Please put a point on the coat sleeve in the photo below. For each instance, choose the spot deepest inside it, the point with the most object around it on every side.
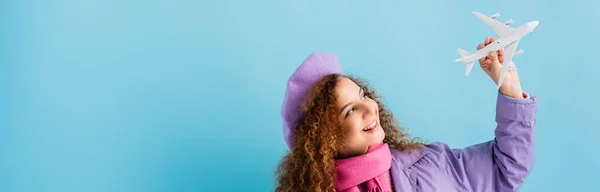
(501, 164)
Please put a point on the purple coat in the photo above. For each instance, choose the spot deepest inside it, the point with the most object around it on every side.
(501, 164)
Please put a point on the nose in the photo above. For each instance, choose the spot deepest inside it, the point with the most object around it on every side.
(533, 24)
(371, 110)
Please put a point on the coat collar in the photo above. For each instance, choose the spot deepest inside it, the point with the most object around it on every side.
(405, 158)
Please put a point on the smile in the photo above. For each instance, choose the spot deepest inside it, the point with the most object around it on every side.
(371, 127)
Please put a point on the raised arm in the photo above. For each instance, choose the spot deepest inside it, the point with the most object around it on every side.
(514, 141)
(501, 164)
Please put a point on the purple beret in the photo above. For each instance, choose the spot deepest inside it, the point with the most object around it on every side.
(315, 67)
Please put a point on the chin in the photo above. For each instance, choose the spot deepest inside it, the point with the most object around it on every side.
(378, 137)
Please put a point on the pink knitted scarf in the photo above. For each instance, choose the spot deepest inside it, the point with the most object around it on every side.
(365, 173)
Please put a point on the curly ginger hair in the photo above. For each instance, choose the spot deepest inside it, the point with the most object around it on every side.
(309, 165)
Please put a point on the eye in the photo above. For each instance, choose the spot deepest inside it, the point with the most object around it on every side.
(350, 112)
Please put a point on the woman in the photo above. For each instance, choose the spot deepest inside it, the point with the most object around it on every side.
(342, 138)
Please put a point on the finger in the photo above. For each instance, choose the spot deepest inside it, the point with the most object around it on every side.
(492, 39)
(487, 40)
(484, 66)
(493, 55)
(501, 52)
(488, 61)
(480, 46)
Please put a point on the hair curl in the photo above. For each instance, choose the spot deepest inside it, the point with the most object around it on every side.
(309, 165)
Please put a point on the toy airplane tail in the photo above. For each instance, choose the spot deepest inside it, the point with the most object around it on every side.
(467, 58)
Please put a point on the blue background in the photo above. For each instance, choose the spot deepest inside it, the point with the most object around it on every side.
(186, 95)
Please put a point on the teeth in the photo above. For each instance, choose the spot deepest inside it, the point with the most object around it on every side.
(371, 126)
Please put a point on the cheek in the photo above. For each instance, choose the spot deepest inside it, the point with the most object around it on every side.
(355, 123)
(350, 129)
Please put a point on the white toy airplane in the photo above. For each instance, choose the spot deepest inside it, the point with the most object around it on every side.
(508, 39)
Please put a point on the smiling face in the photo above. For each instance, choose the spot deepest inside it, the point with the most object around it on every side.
(325, 134)
(359, 115)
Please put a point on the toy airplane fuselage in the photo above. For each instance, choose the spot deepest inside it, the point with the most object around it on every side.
(508, 40)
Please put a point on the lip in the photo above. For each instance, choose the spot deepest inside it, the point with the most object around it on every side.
(374, 128)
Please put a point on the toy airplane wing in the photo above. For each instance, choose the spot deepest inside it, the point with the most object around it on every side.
(501, 29)
(509, 52)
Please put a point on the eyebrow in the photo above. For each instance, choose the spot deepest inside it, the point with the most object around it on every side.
(359, 91)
